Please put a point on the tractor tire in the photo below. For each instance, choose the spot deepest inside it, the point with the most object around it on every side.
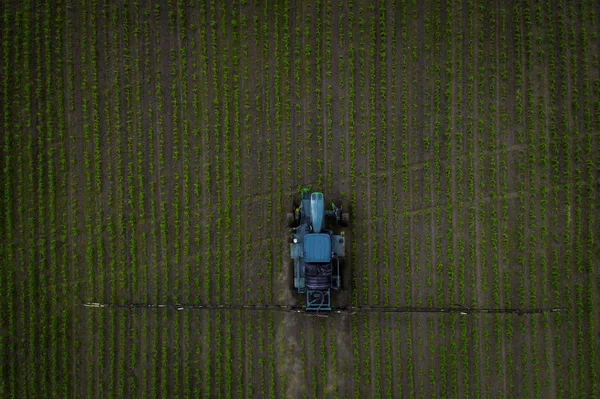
(345, 219)
(290, 219)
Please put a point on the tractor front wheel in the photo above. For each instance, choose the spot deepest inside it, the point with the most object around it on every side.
(345, 219)
(290, 219)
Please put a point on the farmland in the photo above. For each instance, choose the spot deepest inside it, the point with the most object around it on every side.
(150, 151)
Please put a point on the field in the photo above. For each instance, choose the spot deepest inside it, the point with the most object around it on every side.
(150, 152)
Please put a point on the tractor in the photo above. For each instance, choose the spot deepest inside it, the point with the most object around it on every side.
(316, 250)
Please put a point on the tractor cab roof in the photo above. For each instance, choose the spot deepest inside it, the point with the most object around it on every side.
(317, 248)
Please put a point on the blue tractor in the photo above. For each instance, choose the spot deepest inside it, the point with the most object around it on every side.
(316, 251)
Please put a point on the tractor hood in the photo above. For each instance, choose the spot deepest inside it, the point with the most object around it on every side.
(317, 211)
